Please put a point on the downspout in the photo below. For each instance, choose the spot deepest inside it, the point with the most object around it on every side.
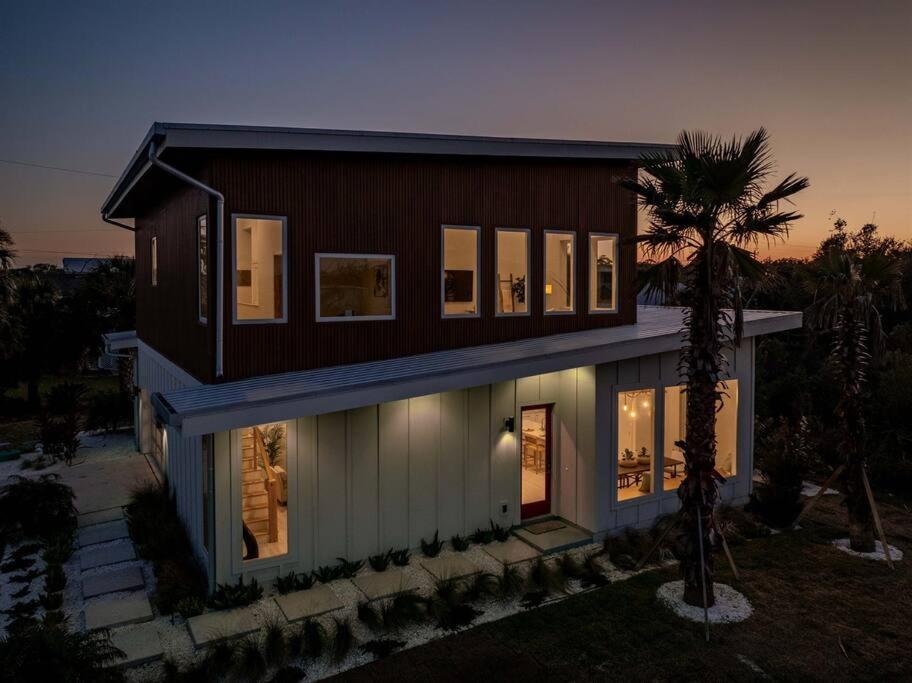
(219, 233)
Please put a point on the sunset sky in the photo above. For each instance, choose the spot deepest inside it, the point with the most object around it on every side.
(82, 81)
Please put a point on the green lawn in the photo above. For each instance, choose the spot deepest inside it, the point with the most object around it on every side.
(819, 615)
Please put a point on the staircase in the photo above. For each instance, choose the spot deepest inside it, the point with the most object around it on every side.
(255, 495)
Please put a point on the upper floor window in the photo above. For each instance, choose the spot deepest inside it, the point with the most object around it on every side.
(603, 250)
(356, 286)
(560, 271)
(154, 250)
(512, 296)
(260, 264)
(459, 279)
(202, 258)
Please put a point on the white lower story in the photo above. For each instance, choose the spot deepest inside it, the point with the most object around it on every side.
(360, 481)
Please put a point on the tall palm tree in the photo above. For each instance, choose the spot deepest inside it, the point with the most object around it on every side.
(707, 205)
(852, 286)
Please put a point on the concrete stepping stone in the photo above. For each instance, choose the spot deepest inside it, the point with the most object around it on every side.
(100, 516)
(449, 567)
(384, 584)
(89, 558)
(511, 551)
(118, 611)
(102, 533)
(213, 626)
(140, 644)
(308, 603)
(557, 540)
(120, 580)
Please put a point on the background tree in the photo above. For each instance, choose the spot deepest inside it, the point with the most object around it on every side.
(706, 205)
(37, 308)
(9, 322)
(856, 276)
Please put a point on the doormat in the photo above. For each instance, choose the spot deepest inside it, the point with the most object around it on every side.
(545, 527)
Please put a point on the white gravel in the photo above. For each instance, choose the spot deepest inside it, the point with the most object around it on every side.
(810, 490)
(844, 545)
(730, 608)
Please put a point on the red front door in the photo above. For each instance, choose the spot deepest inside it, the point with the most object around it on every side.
(535, 460)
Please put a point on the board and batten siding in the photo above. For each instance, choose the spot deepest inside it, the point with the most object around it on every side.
(386, 476)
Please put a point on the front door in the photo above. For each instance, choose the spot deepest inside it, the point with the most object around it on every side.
(535, 458)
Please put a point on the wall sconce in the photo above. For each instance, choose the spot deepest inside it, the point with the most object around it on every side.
(510, 424)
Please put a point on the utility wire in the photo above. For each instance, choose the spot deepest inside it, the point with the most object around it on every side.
(56, 168)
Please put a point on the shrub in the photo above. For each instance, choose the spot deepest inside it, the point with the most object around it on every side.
(509, 583)
(546, 578)
(342, 640)
(784, 459)
(349, 569)
(480, 585)
(60, 420)
(498, 532)
(370, 615)
(382, 648)
(314, 636)
(108, 410)
(460, 543)
(190, 606)
(51, 652)
(274, 647)
(293, 582)
(250, 665)
(448, 607)
(402, 609)
(379, 563)
(240, 594)
(59, 549)
(37, 508)
(401, 557)
(431, 548)
(219, 659)
(592, 572)
(327, 574)
(482, 536)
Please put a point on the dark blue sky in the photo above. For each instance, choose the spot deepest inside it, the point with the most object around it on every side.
(82, 81)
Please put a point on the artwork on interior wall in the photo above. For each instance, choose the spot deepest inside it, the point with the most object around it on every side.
(244, 278)
(458, 286)
(381, 281)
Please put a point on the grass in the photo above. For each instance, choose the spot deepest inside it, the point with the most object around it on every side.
(811, 602)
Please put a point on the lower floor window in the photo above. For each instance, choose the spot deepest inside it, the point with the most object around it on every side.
(636, 443)
(264, 490)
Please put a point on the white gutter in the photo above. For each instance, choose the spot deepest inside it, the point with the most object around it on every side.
(219, 233)
(105, 218)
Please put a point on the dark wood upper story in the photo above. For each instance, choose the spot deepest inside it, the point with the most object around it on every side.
(366, 202)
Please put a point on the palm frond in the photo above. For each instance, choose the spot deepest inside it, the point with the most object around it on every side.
(662, 279)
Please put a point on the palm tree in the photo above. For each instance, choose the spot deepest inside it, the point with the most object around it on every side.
(852, 286)
(707, 205)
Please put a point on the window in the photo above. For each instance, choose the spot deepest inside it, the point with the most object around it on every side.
(512, 296)
(155, 261)
(202, 256)
(264, 490)
(354, 286)
(560, 271)
(676, 430)
(459, 279)
(603, 251)
(206, 477)
(636, 443)
(259, 269)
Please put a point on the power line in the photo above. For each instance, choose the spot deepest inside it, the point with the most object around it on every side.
(49, 230)
(65, 253)
(56, 168)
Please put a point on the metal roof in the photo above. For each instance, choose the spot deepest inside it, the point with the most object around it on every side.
(216, 407)
(209, 136)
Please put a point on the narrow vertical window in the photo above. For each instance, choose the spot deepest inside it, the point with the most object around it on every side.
(603, 276)
(264, 490)
(155, 261)
(259, 269)
(512, 295)
(202, 260)
(459, 279)
(636, 443)
(560, 271)
(206, 480)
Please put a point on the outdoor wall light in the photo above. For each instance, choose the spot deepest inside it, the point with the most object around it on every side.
(510, 424)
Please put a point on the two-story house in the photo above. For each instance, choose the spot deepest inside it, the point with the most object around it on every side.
(348, 341)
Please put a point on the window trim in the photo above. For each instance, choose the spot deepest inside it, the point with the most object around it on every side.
(234, 301)
(153, 252)
(204, 220)
(529, 297)
(616, 274)
(350, 318)
(544, 282)
(478, 288)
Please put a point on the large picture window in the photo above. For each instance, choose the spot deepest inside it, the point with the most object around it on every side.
(264, 490)
(560, 271)
(459, 279)
(259, 269)
(355, 286)
(202, 258)
(512, 296)
(603, 250)
(636, 443)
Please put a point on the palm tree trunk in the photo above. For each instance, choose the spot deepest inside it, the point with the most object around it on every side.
(698, 490)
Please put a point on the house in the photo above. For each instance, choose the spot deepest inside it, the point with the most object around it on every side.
(348, 341)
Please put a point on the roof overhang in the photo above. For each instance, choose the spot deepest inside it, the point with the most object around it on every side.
(169, 136)
(212, 408)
